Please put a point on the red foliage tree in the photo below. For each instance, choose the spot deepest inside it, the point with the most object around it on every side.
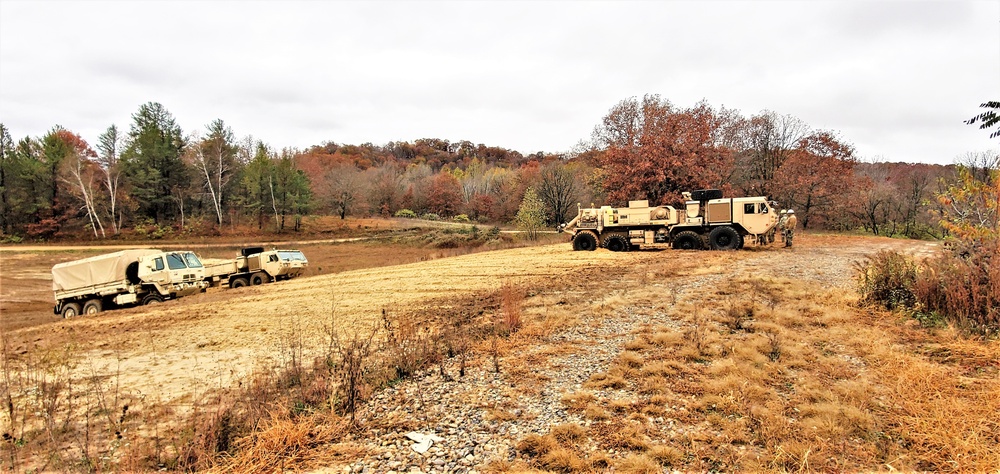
(816, 179)
(656, 151)
(444, 196)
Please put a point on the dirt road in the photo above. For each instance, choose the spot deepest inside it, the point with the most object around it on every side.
(190, 346)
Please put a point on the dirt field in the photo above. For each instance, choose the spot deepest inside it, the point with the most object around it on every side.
(190, 346)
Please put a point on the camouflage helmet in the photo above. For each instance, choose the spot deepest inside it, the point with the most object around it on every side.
(783, 211)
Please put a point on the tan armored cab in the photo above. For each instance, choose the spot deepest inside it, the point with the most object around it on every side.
(256, 266)
(707, 221)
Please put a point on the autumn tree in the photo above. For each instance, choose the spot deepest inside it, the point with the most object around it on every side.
(873, 198)
(971, 206)
(340, 187)
(816, 177)
(530, 215)
(385, 187)
(444, 197)
(81, 175)
(654, 150)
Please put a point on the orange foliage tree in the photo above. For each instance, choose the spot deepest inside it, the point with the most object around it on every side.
(816, 178)
(654, 150)
(444, 197)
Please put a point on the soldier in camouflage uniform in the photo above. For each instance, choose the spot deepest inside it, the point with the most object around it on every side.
(790, 222)
(781, 223)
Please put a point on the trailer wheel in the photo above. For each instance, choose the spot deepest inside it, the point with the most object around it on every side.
(93, 307)
(259, 278)
(71, 310)
(687, 240)
(152, 298)
(725, 238)
(585, 240)
(238, 282)
(616, 243)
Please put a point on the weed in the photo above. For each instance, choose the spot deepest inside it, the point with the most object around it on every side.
(639, 464)
(666, 456)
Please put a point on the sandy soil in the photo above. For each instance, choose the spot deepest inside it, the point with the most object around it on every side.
(187, 347)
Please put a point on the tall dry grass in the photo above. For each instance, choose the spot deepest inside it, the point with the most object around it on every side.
(960, 286)
(778, 375)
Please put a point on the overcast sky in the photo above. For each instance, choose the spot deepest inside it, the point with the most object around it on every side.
(896, 79)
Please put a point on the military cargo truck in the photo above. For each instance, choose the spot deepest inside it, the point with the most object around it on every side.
(255, 266)
(125, 278)
(707, 221)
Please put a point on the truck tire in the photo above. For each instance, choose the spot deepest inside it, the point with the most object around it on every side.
(238, 282)
(152, 298)
(616, 242)
(71, 310)
(93, 307)
(585, 241)
(687, 240)
(259, 278)
(725, 238)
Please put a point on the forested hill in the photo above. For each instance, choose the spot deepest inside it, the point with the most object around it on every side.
(153, 177)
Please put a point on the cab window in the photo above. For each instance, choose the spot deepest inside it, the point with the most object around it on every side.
(192, 260)
(763, 208)
(749, 208)
(158, 264)
(175, 262)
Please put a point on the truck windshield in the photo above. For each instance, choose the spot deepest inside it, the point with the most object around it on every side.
(192, 260)
(175, 261)
(291, 255)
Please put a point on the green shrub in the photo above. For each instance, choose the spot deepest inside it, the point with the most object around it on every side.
(406, 213)
(461, 218)
(430, 216)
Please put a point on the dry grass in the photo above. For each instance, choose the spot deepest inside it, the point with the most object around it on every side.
(797, 378)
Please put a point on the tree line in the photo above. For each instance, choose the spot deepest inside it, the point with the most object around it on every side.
(154, 179)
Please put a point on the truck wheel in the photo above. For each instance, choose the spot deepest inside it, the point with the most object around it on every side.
(259, 278)
(585, 241)
(152, 298)
(238, 282)
(71, 310)
(687, 240)
(725, 238)
(616, 243)
(92, 307)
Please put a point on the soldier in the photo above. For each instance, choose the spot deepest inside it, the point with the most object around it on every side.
(790, 227)
(781, 223)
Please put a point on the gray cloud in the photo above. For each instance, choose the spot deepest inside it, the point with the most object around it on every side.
(895, 78)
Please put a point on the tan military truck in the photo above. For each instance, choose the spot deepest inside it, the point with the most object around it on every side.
(707, 221)
(125, 278)
(255, 266)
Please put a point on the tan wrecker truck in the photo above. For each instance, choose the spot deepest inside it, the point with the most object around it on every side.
(707, 221)
(255, 266)
(125, 278)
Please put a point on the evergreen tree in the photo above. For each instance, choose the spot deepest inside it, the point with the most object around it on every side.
(152, 162)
